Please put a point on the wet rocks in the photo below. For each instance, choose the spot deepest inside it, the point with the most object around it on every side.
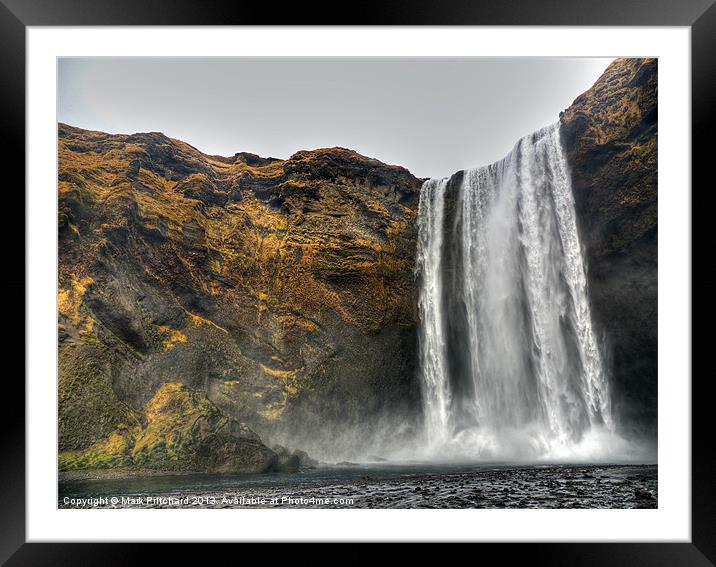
(640, 494)
(292, 461)
(304, 460)
(288, 463)
(527, 487)
(285, 461)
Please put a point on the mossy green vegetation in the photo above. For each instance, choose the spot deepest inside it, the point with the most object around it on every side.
(168, 441)
(88, 407)
(181, 430)
(110, 452)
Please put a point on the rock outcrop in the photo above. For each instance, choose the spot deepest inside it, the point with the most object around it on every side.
(282, 289)
(179, 430)
(610, 136)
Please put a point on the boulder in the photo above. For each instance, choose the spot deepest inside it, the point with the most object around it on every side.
(304, 460)
(179, 430)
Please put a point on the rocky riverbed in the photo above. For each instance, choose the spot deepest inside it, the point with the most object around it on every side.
(381, 485)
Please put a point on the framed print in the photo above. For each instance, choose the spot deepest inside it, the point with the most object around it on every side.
(422, 276)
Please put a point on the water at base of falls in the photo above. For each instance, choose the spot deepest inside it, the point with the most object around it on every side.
(510, 363)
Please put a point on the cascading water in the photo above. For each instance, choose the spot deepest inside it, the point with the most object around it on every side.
(510, 363)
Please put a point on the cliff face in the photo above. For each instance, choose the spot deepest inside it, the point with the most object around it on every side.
(610, 136)
(205, 298)
(282, 289)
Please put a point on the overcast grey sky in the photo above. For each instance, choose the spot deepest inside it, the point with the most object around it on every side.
(431, 115)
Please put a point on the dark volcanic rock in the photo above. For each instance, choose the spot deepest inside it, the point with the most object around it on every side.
(281, 451)
(288, 463)
(304, 460)
(610, 136)
(282, 289)
(481, 487)
(292, 462)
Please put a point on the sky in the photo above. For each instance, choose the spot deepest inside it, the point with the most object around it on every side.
(433, 116)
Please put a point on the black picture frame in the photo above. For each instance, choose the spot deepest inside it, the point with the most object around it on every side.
(699, 15)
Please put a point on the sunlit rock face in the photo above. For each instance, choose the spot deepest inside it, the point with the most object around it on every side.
(283, 289)
(610, 139)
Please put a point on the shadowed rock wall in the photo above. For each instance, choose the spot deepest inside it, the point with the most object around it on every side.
(610, 136)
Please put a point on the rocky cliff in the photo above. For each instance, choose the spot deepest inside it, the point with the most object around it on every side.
(209, 305)
(610, 136)
(280, 289)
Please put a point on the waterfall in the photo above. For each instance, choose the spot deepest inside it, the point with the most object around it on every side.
(509, 359)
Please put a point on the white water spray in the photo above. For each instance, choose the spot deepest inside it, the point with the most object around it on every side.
(510, 363)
